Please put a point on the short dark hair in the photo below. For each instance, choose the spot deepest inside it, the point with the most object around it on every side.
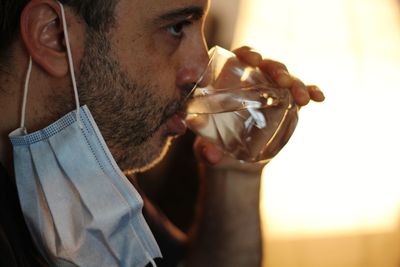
(98, 15)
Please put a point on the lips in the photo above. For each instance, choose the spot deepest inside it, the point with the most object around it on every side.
(176, 124)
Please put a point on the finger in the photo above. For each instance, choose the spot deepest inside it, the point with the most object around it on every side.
(299, 92)
(278, 72)
(207, 152)
(315, 93)
(242, 49)
(248, 56)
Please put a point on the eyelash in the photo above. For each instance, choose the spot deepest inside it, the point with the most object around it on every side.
(181, 25)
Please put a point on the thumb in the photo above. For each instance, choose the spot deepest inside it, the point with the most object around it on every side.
(207, 152)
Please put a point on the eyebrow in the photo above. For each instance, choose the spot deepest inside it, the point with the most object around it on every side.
(192, 12)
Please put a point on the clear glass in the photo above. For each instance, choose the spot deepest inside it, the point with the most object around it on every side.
(237, 108)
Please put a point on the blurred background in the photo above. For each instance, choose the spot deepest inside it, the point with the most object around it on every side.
(332, 195)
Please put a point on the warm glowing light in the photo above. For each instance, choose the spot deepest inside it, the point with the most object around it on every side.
(340, 171)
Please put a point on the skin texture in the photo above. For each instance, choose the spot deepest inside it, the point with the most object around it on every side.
(133, 78)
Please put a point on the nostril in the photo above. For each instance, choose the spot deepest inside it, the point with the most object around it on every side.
(187, 88)
(188, 76)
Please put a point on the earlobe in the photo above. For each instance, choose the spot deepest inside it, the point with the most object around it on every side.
(43, 36)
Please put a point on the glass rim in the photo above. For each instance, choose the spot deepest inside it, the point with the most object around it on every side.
(211, 52)
(238, 87)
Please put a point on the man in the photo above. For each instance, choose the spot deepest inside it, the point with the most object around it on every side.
(135, 61)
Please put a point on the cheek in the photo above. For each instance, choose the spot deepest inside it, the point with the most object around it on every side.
(161, 75)
(149, 64)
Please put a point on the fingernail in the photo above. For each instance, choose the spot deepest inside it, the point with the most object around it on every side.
(317, 94)
(321, 96)
(281, 73)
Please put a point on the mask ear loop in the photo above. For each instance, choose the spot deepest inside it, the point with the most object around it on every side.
(71, 64)
(24, 100)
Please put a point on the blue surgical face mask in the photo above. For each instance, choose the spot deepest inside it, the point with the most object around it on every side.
(79, 207)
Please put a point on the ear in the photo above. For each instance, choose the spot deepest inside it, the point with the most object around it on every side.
(42, 33)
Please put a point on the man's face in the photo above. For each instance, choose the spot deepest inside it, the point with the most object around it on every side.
(134, 77)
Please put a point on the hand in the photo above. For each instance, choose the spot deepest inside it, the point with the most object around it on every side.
(278, 73)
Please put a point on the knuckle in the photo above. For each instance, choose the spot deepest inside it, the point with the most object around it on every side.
(272, 64)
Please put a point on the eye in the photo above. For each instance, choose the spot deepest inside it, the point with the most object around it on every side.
(176, 30)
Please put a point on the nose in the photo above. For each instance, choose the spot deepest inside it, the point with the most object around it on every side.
(194, 61)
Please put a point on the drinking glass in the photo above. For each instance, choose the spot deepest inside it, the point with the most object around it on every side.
(236, 107)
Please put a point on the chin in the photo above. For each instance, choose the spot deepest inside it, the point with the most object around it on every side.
(147, 155)
(158, 156)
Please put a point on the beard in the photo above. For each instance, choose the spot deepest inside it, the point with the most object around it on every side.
(128, 113)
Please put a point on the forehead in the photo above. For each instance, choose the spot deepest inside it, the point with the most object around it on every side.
(149, 9)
